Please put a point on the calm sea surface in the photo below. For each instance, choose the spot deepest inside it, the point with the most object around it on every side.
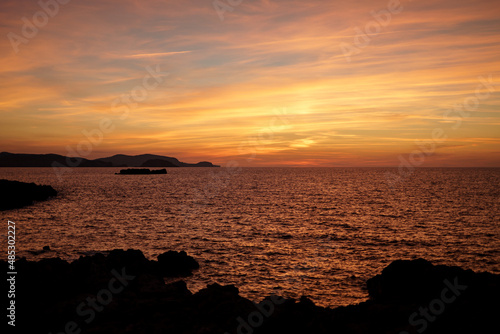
(320, 232)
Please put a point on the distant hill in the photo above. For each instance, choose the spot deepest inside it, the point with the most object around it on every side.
(122, 160)
(145, 160)
(45, 160)
(158, 163)
(119, 160)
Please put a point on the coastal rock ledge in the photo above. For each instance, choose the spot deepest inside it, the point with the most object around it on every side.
(15, 194)
(123, 292)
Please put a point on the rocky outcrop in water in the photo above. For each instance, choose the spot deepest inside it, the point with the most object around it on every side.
(123, 292)
(15, 194)
(141, 171)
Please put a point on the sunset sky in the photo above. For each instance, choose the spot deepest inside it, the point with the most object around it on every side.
(263, 82)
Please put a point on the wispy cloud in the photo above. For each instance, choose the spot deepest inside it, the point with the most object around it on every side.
(149, 55)
(226, 78)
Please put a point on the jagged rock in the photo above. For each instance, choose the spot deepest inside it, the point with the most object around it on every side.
(15, 194)
(417, 280)
(52, 292)
(174, 263)
(38, 252)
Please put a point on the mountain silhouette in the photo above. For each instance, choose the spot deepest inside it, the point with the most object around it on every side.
(46, 160)
(119, 160)
(149, 160)
(158, 163)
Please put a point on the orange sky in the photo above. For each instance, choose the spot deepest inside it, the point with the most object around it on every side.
(270, 85)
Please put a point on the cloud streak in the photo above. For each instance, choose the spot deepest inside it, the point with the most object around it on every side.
(226, 78)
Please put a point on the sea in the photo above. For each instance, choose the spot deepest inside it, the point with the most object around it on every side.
(315, 232)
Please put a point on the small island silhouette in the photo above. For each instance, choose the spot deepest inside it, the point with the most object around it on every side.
(141, 171)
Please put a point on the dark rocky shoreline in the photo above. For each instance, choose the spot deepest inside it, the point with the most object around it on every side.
(15, 194)
(123, 292)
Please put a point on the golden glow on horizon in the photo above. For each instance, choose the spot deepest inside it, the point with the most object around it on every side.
(270, 79)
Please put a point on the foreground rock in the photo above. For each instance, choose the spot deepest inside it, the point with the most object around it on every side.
(15, 194)
(125, 293)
